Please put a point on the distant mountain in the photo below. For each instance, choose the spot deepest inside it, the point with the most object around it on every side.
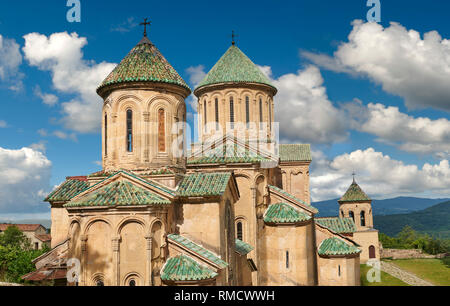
(434, 220)
(400, 205)
(45, 223)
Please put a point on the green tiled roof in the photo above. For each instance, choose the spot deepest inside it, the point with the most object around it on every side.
(144, 63)
(198, 249)
(336, 246)
(354, 194)
(284, 213)
(235, 67)
(290, 196)
(184, 268)
(228, 154)
(243, 248)
(119, 193)
(295, 152)
(338, 225)
(203, 184)
(66, 191)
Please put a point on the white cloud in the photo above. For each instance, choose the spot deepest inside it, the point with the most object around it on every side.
(304, 111)
(40, 146)
(404, 63)
(3, 124)
(62, 55)
(125, 26)
(63, 135)
(378, 175)
(48, 99)
(10, 60)
(24, 177)
(42, 132)
(417, 135)
(196, 74)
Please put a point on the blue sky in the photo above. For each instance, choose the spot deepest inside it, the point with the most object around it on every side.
(296, 39)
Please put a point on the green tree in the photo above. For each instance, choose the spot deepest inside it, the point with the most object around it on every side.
(13, 237)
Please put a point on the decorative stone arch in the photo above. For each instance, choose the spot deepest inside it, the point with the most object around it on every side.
(97, 277)
(92, 221)
(171, 101)
(127, 100)
(132, 276)
(259, 183)
(127, 220)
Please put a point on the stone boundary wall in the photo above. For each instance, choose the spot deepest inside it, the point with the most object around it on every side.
(9, 285)
(408, 254)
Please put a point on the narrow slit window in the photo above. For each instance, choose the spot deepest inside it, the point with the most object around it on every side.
(232, 112)
(106, 135)
(339, 271)
(217, 114)
(352, 215)
(205, 111)
(270, 115)
(239, 231)
(260, 113)
(161, 131)
(129, 130)
(247, 110)
(287, 259)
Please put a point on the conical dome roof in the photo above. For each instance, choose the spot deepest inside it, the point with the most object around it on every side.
(235, 67)
(144, 63)
(354, 194)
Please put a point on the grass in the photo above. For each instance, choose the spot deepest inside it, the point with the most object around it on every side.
(436, 271)
(386, 279)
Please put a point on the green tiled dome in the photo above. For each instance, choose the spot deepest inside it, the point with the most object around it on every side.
(234, 67)
(354, 194)
(144, 63)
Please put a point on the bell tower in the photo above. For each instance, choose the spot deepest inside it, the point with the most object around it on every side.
(143, 112)
(357, 205)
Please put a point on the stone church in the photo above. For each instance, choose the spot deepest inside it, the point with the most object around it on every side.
(233, 209)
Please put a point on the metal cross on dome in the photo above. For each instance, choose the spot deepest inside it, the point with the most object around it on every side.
(145, 24)
(233, 36)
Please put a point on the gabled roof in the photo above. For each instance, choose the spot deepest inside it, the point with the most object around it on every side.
(338, 225)
(284, 213)
(44, 237)
(185, 268)
(119, 193)
(335, 246)
(291, 197)
(203, 184)
(228, 153)
(22, 227)
(295, 152)
(234, 67)
(354, 194)
(144, 63)
(198, 250)
(243, 248)
(67, 190)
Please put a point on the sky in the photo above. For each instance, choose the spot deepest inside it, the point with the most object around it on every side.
(371, 98)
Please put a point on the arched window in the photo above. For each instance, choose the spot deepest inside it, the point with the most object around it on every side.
(217, 114)
(161, 131)
(352, 215)
(99, 283)
(205, 113)
(372, 252)
(247, 110)
(239, 231)
(132, 283)
(342, 212)
(260, 113)
(232, 112)
(363, 218)
(106, 135)
(129, 130)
